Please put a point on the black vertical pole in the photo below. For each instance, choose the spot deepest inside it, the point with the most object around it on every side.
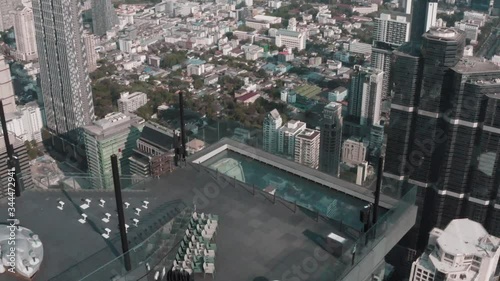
(10, 152)
(377, 188)
(183, 132)
(176, 148)
(119, 208)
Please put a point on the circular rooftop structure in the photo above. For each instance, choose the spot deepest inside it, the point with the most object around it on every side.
(21, 251)
(443, 32)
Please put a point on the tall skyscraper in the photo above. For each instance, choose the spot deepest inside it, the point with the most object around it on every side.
(272, 123)
(103, 16)
(89, 41)
(65, 83)
(390, 32)
(365, 95)
(6, 88)
(6, 8)
(331, 139)
(440, 137)
(24, 29)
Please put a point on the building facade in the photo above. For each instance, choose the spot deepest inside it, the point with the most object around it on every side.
(365, 95)
(89, 42)
(390, 32)
(354, 151)
(290, 39)
(117, 133)
(155, 151)
(64, 79)
(331, 139)
(6, 87)
(286, 136)
(462, 251)
(131, 102)
(104, 17)
(272, 123)
(27, 122)
(24, 30)
(307, 148)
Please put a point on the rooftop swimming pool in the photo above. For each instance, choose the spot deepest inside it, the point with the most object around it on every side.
(332, 203)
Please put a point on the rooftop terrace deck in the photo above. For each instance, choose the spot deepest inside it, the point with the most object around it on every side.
(256, 237)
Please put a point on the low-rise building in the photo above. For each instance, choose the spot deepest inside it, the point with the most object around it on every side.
(155, 151)
(338, 94)
(131, 102)
(290, 39)
(117, 134)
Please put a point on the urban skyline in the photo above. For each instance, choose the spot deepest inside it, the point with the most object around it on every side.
(352, 116)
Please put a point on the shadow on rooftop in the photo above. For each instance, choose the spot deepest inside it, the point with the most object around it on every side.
(316, 238)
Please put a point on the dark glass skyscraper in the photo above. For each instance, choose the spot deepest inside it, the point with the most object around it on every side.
(480, 5)
(436, 138)
(331, 139)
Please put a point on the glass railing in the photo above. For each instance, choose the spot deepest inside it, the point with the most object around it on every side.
(214, 130)
(361, 243)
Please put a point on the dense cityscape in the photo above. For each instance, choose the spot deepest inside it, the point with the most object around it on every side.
(260, 140)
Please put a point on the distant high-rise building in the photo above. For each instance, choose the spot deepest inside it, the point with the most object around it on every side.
(6, 8)
(64, 79)
(390, 32)
(292, 24)
(365, 95)
(24, 29)
(462, 251)
(6, 87)
(420, 17)
(286, 136)
(307, 148)
(104, 16)
(89, 41)
(431, 15)
(442, 133)
(481, 5)
(25, 179)
(272, 123)
(117, 133)
(331, 139)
